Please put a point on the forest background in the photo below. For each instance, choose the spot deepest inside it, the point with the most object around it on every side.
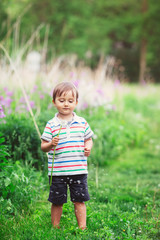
(110, 50)
(127, 30)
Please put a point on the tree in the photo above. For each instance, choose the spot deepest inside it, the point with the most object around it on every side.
(127, 29)
(143, 44)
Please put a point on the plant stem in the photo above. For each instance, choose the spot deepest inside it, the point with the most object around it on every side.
(54, 156)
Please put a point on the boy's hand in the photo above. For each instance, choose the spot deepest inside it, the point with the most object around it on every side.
(54, 141)
(87, 151)
(87, 147)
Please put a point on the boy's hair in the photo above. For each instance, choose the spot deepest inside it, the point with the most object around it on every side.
(64, 87)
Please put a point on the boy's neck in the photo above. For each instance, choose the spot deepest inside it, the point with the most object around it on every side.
(64, 117)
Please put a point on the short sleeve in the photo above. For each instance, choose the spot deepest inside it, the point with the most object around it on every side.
(47, 134)
(88, 132)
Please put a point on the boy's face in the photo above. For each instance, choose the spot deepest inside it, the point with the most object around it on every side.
(66, 103)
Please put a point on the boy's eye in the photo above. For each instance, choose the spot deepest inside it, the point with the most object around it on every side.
(61, 100)
(71, 101)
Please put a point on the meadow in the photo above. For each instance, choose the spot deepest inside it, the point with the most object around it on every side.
(124, 169)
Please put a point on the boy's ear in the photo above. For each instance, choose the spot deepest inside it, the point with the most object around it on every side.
(53, 102)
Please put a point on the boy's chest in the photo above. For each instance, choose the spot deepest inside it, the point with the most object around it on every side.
(70, 132)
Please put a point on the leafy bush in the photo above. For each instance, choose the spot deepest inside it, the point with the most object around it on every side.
(22, 140)
(19, 187)
(3, 152)
(114, 133)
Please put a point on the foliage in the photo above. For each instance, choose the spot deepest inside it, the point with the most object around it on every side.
(22, 140)
(124, 194)
(124, 205)
(96, 27)
(17, 185)
(114, 131)
(3, 152)
(19, 188)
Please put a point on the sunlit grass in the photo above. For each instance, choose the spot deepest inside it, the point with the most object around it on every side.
(124, 206)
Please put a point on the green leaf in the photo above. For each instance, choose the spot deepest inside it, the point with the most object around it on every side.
(7, 181)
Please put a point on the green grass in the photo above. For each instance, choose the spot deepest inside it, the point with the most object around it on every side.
(124, 181)
(125, 204)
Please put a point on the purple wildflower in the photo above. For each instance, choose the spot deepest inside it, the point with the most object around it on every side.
(72, 74)
(7, 102)
(9, 93)
(9, 111)
(76, 83)
(5, 89)
(32, 104)
(21, 108)
(51, 93)
(41, 96)
(2, 100)
(100, 91)
(117, 83)
(34, 89)
(143, 82)
(113, 107)
(2, 115)
(85, 105)
(22, 100)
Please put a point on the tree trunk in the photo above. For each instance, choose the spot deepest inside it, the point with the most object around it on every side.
(143, 52)
(143, 47)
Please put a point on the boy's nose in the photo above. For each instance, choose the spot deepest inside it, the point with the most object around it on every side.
(66, 103)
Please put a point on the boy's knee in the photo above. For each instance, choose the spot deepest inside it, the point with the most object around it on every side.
(79, 203)
(57, 205)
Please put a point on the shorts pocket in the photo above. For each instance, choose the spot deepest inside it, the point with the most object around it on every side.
(57, 196)
(79, 193)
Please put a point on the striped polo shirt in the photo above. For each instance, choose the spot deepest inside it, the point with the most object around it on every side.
(69, 153)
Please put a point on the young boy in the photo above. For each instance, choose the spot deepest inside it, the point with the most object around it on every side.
(72, 147)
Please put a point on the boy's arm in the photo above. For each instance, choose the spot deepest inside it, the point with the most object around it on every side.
(88, 146)
(47, 146)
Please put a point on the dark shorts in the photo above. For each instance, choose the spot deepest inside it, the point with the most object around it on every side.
(77, 185)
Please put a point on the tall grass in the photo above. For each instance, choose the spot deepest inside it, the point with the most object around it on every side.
(125, 120)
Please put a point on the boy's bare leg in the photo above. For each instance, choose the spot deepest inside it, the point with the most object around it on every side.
(56, 212)
(80, 212)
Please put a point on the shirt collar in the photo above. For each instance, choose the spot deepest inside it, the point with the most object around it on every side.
(57, 122)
